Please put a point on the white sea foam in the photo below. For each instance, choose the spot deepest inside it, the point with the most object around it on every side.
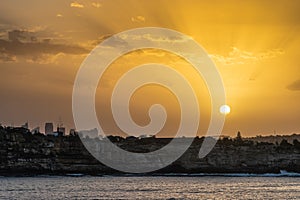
(282, 173)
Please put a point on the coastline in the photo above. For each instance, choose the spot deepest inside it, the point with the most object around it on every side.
(36, 154)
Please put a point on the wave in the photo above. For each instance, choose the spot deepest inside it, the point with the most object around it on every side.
(283, 173)
(75, 175)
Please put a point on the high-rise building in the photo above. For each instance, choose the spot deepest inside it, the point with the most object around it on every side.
(49, 128)
(61, 130)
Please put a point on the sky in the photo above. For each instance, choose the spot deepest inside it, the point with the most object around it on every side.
(255, 45)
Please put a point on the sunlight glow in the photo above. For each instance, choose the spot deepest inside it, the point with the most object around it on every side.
(225, 109)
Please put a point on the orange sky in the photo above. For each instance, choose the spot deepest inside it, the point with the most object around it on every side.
(254, 44)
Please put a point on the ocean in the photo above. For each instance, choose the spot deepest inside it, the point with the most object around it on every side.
(150, 187)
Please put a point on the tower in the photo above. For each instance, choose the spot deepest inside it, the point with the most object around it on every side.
(60, 127)
(49, 128)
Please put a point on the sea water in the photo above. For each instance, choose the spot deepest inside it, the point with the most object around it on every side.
(150, 187)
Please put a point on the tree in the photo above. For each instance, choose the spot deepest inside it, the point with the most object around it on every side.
(239, 136)
(296, 143)
(284, 143)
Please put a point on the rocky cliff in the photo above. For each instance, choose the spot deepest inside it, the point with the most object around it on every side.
(27, 154)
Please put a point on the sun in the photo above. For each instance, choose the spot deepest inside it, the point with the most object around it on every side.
(225, 109)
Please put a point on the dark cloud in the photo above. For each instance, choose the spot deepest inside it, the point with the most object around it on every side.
(23, 43)
(295, 86)
(19, 48)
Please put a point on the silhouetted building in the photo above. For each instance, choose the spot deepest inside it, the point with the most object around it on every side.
(61, 130)
(35, 130)
(72, 132)
(49, 128)
(25, 125)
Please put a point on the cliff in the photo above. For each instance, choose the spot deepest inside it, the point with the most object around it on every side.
(27, 154)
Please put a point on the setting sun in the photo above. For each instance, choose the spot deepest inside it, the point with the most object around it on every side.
(225, 109)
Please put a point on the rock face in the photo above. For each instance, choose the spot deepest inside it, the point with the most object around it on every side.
(27, 154)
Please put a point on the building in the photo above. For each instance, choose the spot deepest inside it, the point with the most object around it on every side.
(25, 125)
(36, 130)
(61, 130)
(72, 132)
(49, 128)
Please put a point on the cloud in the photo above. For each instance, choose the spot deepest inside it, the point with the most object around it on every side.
(91, 44)
(96, 4)
(24, 44)
(19, 48)
(171, 39)
(2, 34)
(237, 56)
(138, 18)
(6, 58)
(295, 86)
(59, 15)
(34, 29)
(76, 5)
(6, 28)
(46, 58)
